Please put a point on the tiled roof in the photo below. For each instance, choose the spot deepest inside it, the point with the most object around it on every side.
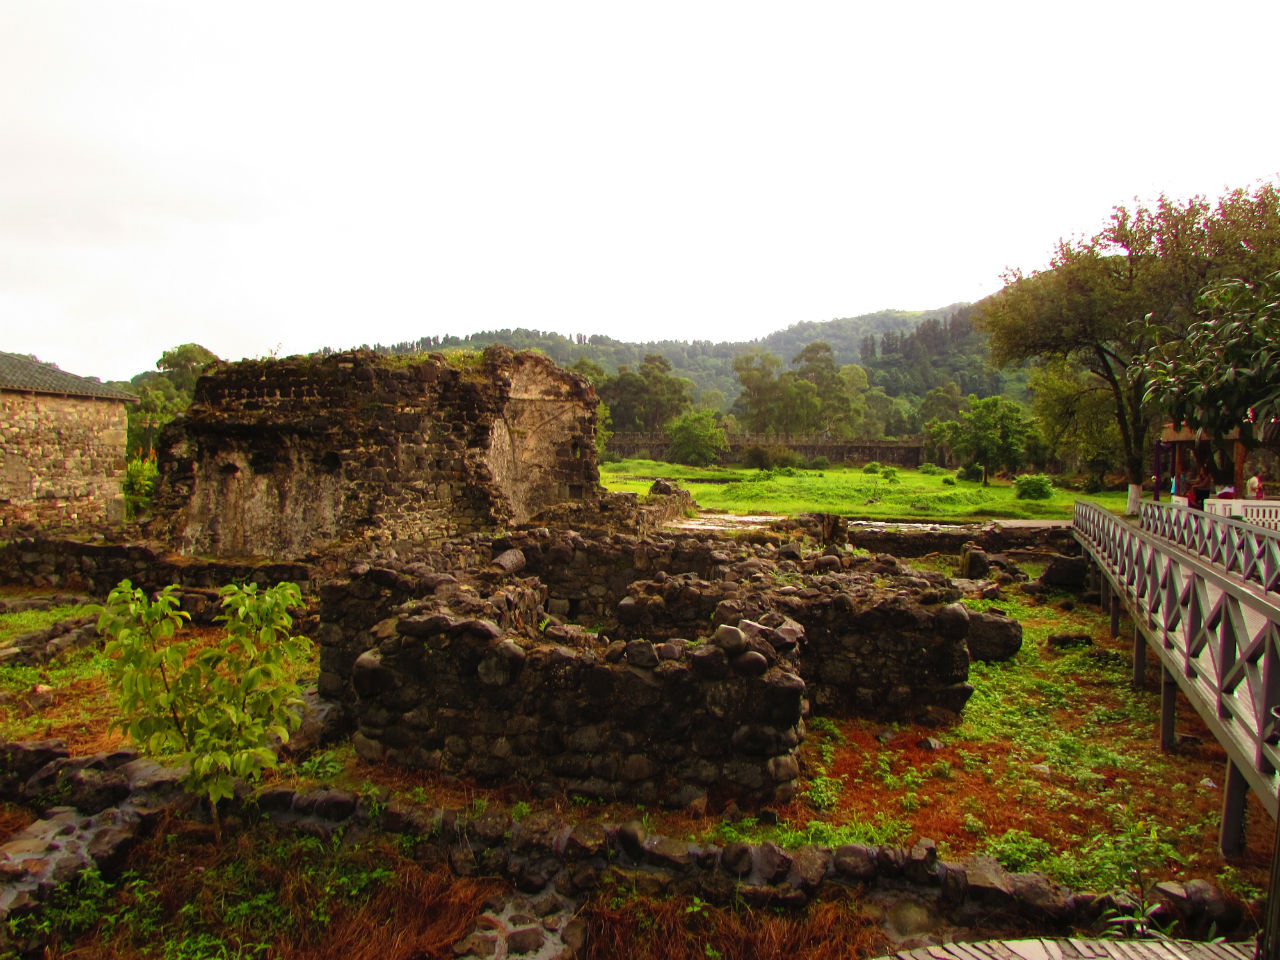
(31, 376)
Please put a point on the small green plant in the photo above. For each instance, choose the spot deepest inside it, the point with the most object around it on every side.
(375, 799)
(948, 481)
(824, 792)
(219, 709)
(520, 810)
(929, 469)
(889, 474)
(827, 727)
(974, 825)
(1017, 850)
(872, 467)
(320, 766)
(1033, 487)
(72, 909)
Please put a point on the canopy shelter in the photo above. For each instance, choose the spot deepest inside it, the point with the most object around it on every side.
(1179, 449)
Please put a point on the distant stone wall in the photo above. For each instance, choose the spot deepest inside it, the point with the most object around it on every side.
(282, 457)
(62, 460)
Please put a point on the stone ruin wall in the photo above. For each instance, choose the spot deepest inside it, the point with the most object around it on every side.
(696, 686)
(62, 460)
(284, 457)
(708, 655)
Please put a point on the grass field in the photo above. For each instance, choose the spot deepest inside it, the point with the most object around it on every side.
(907, 495)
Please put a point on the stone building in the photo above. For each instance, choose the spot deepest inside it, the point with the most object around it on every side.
(283, 456)
(62, 446)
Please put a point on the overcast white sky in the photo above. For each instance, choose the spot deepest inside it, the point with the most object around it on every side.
(261, 177)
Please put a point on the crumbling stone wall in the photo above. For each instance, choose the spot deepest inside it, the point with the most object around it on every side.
(95, 568)
(62, 459)
(666, 723)
(693, 687)
(280, 457)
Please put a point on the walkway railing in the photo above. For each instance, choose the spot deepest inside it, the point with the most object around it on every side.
(1251, 552)
(1202, 593)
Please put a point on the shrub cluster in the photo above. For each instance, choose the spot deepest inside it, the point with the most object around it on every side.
(1033, 486)
(765, 458)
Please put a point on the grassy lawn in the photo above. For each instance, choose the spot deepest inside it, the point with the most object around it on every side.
(907, 495)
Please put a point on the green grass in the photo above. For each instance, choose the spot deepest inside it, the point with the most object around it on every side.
(15, 624)
(850, 492)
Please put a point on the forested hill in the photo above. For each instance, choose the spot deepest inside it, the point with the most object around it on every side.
(906, 353)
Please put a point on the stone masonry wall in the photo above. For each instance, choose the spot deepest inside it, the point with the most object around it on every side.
(95, 568)
(62, 460)
(282, 457)
(670, 723)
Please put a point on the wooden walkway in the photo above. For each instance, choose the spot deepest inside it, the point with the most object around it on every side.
(1080, 950)
(1203, 592)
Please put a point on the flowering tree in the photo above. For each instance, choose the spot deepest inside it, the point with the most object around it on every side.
(1224, 373)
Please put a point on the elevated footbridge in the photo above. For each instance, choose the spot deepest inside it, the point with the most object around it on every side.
(1203, 592)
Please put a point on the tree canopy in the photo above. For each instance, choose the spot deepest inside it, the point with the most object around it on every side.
(1224, 373)
(1101, 301)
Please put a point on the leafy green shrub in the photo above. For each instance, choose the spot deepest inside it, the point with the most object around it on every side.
(1094, 484)
(872, 467)
(972, 471)
(948, 481)
(889, 473)
(697, 439)
(787, 458)
(1033, 486)
(818, 463)
(756, 457)
(218, 709)
(139, 481)
(929, 469)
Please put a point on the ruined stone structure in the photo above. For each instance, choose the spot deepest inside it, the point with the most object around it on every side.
(62, 446)
(704, 655)
(280, 457)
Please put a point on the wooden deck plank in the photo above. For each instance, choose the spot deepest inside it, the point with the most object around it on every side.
(1089, 948)
(1175, 947)
(1028, 949)
(1075, 949)
(966, 951)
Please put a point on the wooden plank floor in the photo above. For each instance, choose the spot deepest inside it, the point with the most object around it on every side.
(1072, 949)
